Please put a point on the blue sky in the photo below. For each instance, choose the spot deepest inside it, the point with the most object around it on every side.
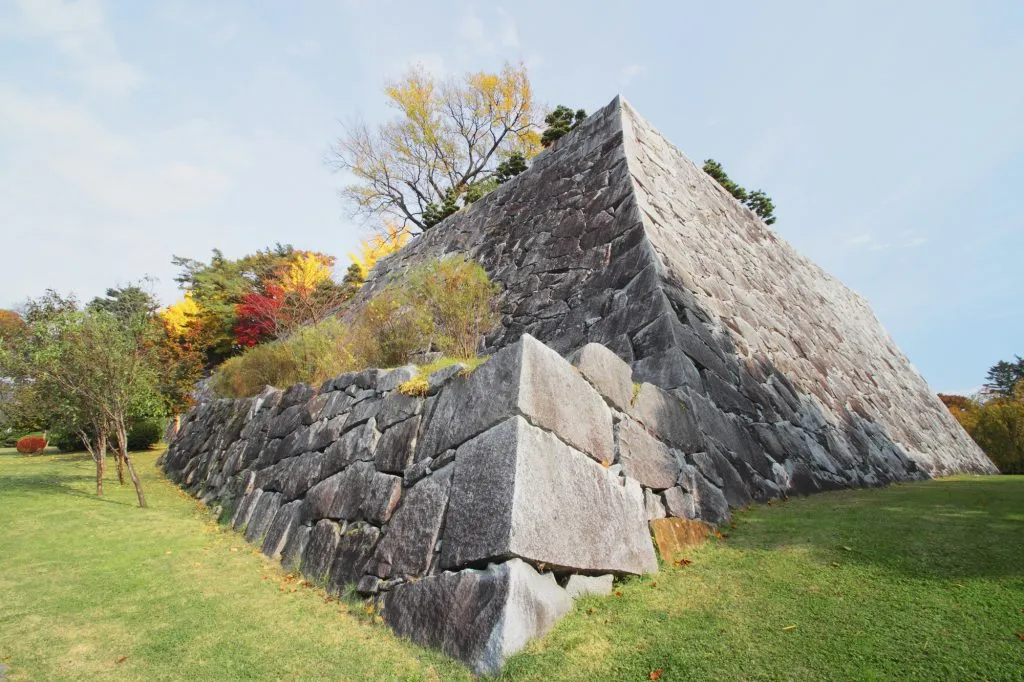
(891, 135)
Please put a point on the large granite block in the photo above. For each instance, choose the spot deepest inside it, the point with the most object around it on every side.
(478, 616)
(535, 382)
(519, 491)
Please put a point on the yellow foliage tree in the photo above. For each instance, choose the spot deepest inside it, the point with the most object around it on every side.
(391, 239)
(305, 272)
(177, 316)
(447, 135)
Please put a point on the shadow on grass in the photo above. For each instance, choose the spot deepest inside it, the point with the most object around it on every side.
(941, 529)
(76, 485)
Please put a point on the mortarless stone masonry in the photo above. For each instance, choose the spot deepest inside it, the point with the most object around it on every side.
(472, 515)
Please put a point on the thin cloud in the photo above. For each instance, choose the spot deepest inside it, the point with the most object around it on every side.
(628, 74)
(80, 32)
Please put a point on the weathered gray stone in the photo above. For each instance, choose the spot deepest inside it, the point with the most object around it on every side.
(397, 407)
(589, 585)
(653, 506)
(667, 416)
(285, 521)
(416, 471)
(510, 497)
(438, 378)
(710, 502)
(262, 516)
(479, 617)
(680, 503)
(354, 551)
(357, 445)
(408, 546)
(392, 379)
(537, 383)
(397, 445)
(607, 372)
(295, 547)
(644, 457)
(365, 494)
(245, 509)
(320, 551)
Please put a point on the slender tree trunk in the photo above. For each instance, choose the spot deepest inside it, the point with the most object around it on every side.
(122, 447)
(119, 455)
(101, 456)
(97, 451)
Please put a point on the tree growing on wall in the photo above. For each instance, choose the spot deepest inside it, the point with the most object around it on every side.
(757, 201)
(560, 122)
(447, 135)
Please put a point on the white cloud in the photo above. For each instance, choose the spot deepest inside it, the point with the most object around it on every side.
(628, 74)
(488, 38)
(79, 30)
(901, 240)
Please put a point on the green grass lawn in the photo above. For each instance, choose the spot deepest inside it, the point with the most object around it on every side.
(918, 581)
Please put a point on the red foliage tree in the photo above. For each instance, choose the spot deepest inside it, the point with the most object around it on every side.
(259, 316)
(30, 445)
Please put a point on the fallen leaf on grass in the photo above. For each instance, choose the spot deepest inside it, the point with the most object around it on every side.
(120, 660)
(591, 611)
(682, 562)
(654, 674)
(789, 628)
(1020, 636)
(654, 584)
(848, 549)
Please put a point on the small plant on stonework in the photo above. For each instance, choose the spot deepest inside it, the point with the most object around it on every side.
(416, 387)
(560, 122)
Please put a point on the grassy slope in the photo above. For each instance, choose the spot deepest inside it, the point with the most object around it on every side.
(920, 581)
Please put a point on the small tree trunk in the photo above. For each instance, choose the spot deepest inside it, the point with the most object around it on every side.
(122, 448)
(101, 455)
(119, 455)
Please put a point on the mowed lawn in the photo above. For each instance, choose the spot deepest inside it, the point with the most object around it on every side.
(917, 581)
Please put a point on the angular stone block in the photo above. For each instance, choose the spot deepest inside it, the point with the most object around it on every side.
(363, 493)
(262, 516)
(589, 585)
(674, 536)
(608, 373)
(478, 617)
(295, 547)
(519, 491)
(408, 546)
(534, 381)
(396, 447)
(666, 415)
(320, 550)
(285, 521)
(357, 445)
(354, 551)
(646, 458)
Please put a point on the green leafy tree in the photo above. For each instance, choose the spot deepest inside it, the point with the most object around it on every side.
(510, 167)
(757, 201)
(91, 367)
(433, 214)
(1002, 378)
(560, 122)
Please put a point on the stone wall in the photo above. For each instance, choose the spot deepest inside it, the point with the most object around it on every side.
(613, 236)
(472, 515)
